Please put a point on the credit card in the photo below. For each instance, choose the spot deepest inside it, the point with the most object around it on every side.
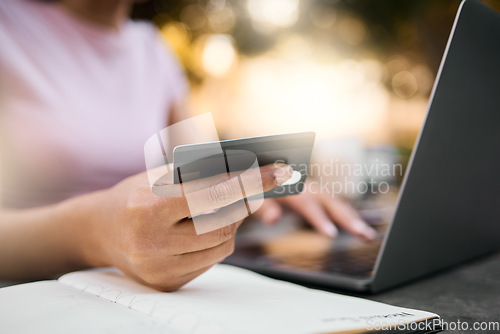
(195, 161)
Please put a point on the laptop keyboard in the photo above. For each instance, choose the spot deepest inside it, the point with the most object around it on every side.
(358, 261)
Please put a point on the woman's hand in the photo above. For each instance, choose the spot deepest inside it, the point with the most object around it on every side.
(322, 211)
(152, 238)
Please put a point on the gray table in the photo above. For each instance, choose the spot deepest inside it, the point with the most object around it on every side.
(468, 293)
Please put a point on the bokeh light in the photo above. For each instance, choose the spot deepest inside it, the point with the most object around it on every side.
(193, 16)
(280, 13)
(218, 55)
(352, 30)
(323, 16)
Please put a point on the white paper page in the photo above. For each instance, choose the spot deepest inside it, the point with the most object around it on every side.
(51, 307)
(227, 299)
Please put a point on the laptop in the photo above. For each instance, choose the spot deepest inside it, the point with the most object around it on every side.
(447, 210)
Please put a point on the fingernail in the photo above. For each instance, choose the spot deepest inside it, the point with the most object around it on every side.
(329, 229)
(370, 234)
(282, 173)
(271, 216)
(364, 230)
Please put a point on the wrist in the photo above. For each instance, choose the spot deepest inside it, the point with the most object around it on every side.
(82, 218)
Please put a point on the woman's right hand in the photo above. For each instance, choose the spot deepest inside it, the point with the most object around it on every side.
(152, 239)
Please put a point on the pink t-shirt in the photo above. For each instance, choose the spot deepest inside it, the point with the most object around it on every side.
(77, 101)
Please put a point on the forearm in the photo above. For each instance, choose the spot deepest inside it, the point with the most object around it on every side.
(42, 242)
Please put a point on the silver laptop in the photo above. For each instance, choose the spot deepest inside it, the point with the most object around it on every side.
(447, 211)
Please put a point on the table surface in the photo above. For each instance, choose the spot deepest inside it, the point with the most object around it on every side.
(469, 293)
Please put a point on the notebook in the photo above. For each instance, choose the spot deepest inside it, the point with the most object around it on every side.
(225, 299)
